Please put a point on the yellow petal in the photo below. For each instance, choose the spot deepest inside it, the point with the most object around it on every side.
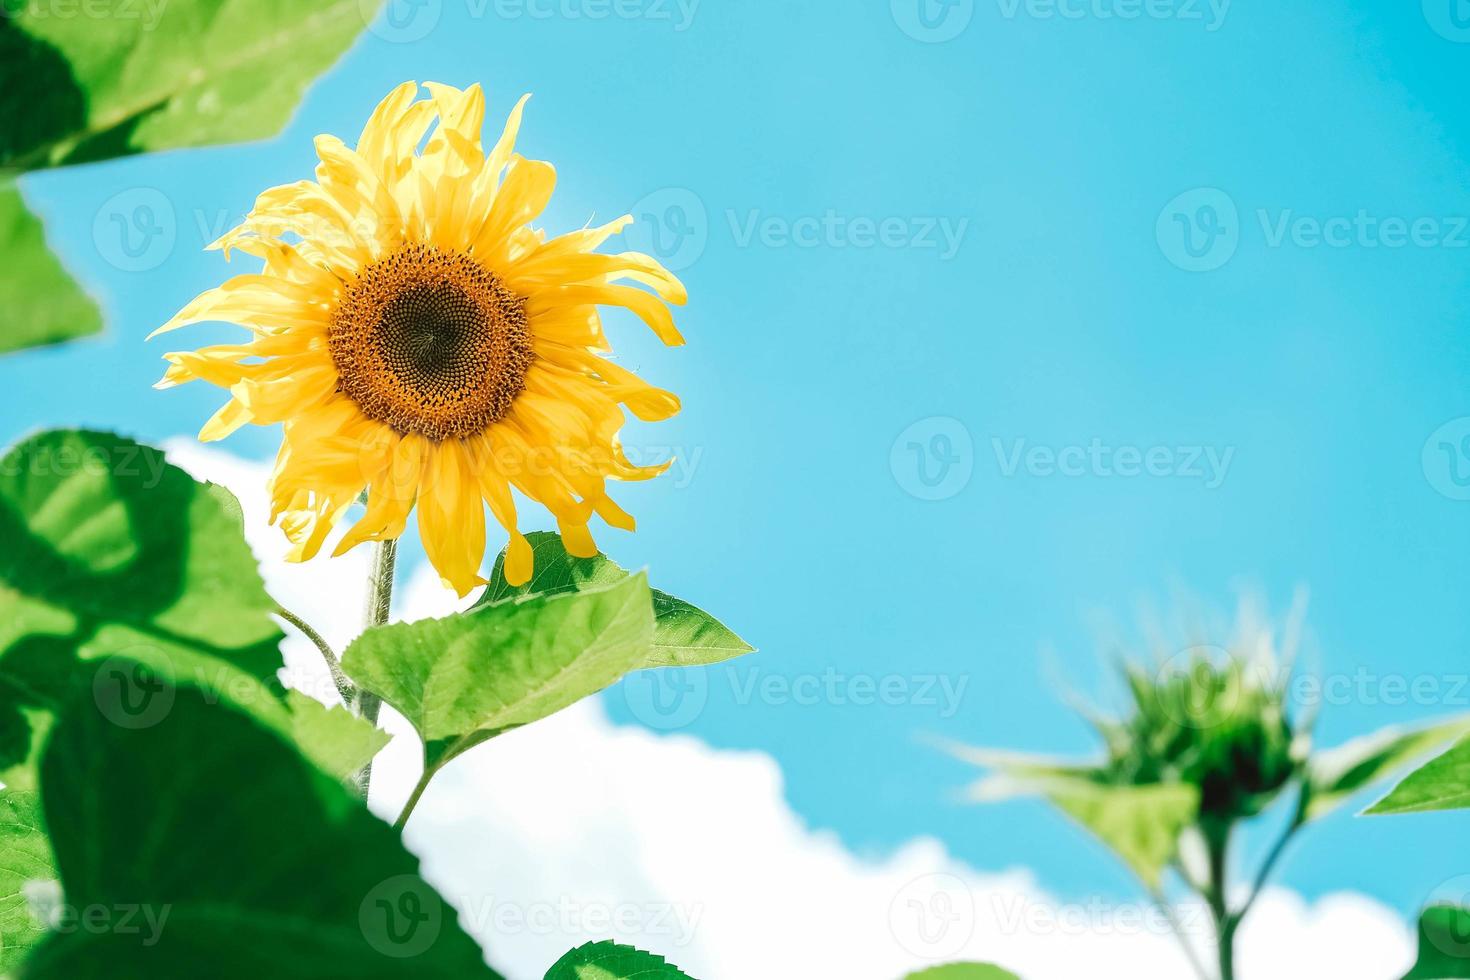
(649, 308)
(452, 518)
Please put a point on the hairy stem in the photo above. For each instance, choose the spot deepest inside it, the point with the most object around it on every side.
(344, 686)
(375, 613)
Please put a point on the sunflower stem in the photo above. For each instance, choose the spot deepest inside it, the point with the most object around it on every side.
(345, 688)
(375, 613)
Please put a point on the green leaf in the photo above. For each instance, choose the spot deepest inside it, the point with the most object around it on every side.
(609, 961)
(116, 77)
(119, 571)
(1443, 783)
(339, 742)
(1141, 824)
(229, 856)
(1336, 774)
(1444, 944)
(25, 862)
(147, 76)
(467, 677)
(963, 971)
(684, 635)
(42, 304)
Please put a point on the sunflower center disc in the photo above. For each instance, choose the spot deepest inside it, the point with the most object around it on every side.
(430, 342)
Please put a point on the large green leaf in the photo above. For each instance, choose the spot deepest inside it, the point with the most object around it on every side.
(41, 303)
(1442, 783)
(229, 857)
(684, 635)
(464, 678)
(609, 961)
(25, 862)
(118, 572)
(96, 79)
(1336, 774)
(136, 76)
(1444, 944)
(963, 971)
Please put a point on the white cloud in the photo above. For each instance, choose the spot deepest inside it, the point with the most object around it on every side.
(574, 829)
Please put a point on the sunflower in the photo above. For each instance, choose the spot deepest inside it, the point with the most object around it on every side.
(419, 340)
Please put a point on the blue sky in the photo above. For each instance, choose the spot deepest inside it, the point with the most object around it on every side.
(941, 295)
